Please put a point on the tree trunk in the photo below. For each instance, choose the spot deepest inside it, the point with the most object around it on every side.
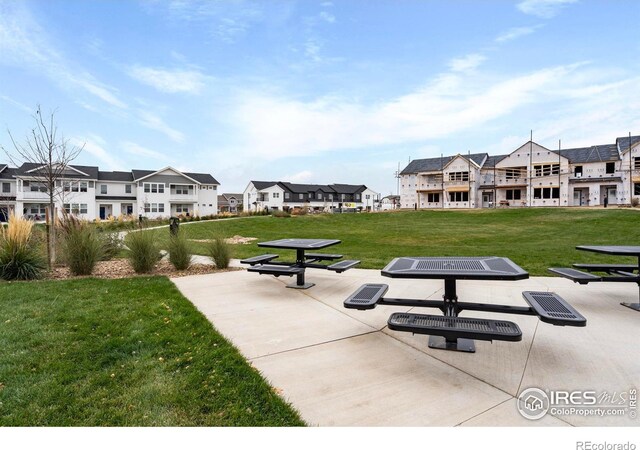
(52, 231)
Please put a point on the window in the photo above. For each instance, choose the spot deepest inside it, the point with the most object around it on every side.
(545, 193)
(458, 176)
(301, 196)
(636, 163)
(611, 167)
(182, 208)
(514, 194)
(83, 186)
(75, 187)
(577, 171)
(286, 196)
(147, 187)
(154, 188)
(75, 208)
(34, 186)
(103, 189)
(154, 207)
(459, 196)
(6, 188)
(433, 197)
(543, 170)
(183, 189)
(147, 207)
(66, 186)
(275, 195)
(514, 172)
(319, 195)
(127, 189)
(367, 196)
(636, 189)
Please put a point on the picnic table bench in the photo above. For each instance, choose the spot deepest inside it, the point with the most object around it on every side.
(449, 331)
(265, 264)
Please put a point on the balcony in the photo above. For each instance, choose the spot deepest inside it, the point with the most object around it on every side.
(33, 195)
(182, 198)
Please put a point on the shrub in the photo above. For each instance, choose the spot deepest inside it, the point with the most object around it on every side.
(20, 258)
(143, 252)
(279, 213)
(179, 251)
(220, 252)
(82, 247)
(635, 202)
(112, 245)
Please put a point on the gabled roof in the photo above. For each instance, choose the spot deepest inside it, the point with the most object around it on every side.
(202, 178)
(8, 173)
(115, 176)
(306, 188)
(623, 143)
(493, 160)
(236, 196)
(348, 188)
(2, 167)
(86, 172)
(437, 164)
(259, 185)
(596, 153)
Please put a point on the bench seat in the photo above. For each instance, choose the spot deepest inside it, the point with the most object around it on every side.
(322, 256)
(366, 296)
(276, 270)
(261, 259)
(341, 266)
(553, 309)
(608, 268)
(575, 275)
(452, 328)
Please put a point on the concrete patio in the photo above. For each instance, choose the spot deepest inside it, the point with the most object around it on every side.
(343, 367)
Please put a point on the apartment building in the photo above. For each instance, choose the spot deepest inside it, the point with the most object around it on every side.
(531, 175)
(281, 195)
(230, 203)
(90, 193)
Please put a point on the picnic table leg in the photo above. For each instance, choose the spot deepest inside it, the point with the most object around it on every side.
(300, 283)
(450, 309)
(635, 306)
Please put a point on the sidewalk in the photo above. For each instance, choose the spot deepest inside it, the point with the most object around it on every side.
(342, 367)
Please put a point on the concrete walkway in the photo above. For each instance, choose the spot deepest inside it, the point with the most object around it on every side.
(342, 367)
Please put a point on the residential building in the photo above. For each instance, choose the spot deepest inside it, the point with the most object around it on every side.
(390, 202)
(90, 193)
(281, 195)
(230, 203)
(531, 175)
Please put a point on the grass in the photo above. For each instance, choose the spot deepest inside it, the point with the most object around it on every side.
(534, 238)
(130, 352)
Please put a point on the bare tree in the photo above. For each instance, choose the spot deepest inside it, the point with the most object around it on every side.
(51, 156)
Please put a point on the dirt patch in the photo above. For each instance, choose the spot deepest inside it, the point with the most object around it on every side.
(120, 268)
(232, 240)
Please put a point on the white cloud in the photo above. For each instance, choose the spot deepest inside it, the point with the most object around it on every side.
(94, 145)
(327, 17)
(515, 33)
(545, 9)
(24, 43)
(466, 63)
(170, 81)
(138, 150)
(304, 176)
(155, 122)
(272, 127)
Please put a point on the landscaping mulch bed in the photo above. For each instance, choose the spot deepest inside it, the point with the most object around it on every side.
(120, 268)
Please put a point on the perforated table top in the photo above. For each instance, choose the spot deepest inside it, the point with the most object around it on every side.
(300, 244)
(469, 268)
(622, 250)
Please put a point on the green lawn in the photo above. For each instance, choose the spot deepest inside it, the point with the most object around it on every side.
(130, 352)
(534, 238)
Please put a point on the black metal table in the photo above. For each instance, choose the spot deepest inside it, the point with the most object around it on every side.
(622, 274)
(451, 269)
(300, 246)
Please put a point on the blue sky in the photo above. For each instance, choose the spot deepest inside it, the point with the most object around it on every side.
(334, 91)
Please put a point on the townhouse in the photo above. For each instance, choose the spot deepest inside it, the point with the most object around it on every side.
(90, 193)
(281, 195)
(230, 203)
(531, 175)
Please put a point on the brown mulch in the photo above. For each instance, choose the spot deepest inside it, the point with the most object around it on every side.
(120, 268)
(237, 239)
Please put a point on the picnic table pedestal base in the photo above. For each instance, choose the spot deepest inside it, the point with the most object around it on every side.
(458, 345)
(450, 309)
(300, 282)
